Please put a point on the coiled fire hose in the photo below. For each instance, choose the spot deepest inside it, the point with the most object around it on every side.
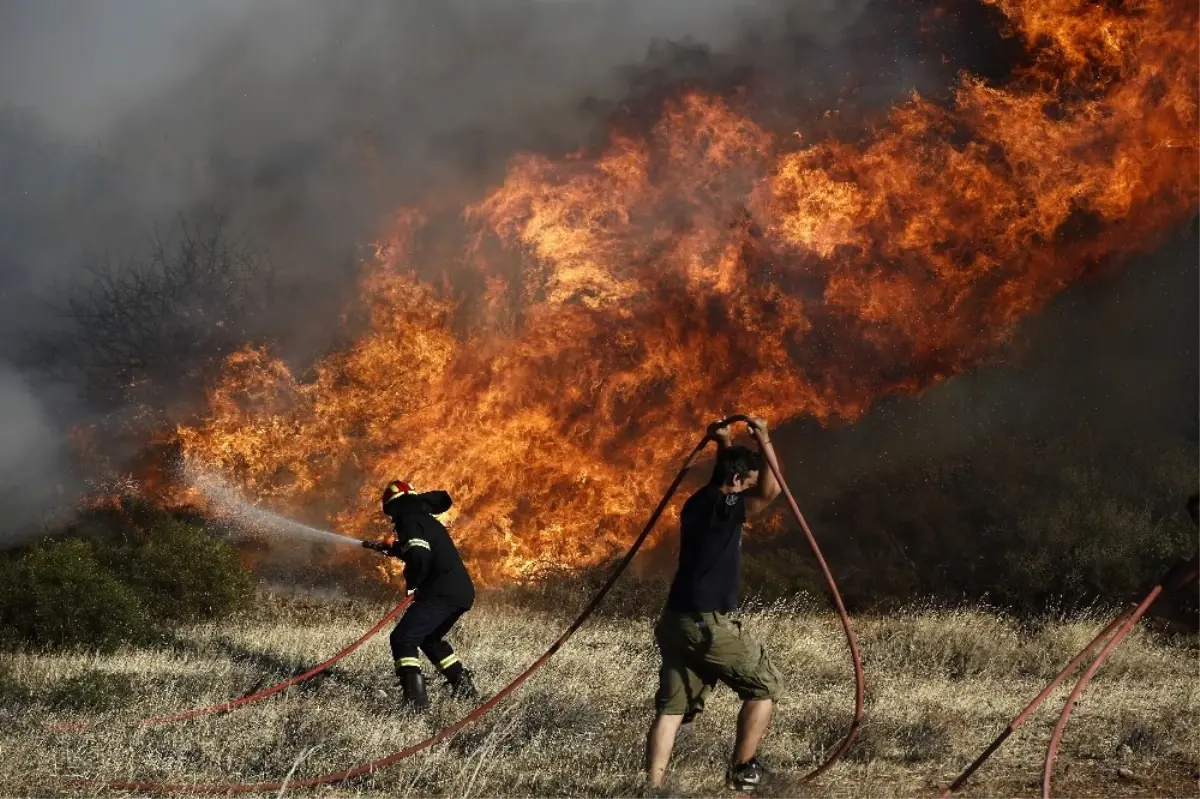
(1124, 622)
(257, 695)
(376, 765)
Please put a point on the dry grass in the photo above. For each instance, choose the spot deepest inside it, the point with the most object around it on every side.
(941, 684)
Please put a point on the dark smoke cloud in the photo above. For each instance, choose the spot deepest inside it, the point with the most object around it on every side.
(88, 67)
(1115, 359)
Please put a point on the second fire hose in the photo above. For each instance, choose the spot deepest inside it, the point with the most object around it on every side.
(1182, 576)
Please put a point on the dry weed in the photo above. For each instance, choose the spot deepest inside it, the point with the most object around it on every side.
(941, 685)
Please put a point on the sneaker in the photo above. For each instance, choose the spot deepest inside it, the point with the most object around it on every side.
(747, 777)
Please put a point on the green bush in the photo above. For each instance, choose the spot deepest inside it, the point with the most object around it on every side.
(125, 583)
(182, 572)
(1058, 522)
(57, 594)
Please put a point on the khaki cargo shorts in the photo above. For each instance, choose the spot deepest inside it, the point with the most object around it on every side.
(701, 649)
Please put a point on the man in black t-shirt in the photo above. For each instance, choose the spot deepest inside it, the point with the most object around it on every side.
(700, 643)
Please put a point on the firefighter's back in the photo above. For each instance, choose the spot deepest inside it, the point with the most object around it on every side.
(448, 578)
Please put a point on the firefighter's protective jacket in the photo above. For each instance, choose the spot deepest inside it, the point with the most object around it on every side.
(432, 564)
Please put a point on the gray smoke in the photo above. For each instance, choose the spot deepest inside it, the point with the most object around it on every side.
(306, 122)
(89, 69)
(290, 113)
(30, 460)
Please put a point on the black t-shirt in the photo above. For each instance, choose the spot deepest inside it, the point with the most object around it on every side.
(710, 553)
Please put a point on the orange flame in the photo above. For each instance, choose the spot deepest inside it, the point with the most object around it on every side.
(548, 352)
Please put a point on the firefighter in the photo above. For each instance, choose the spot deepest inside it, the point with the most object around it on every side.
(443, 588)
(700, 642)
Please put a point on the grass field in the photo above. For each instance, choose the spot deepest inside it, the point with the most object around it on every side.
(941, 684)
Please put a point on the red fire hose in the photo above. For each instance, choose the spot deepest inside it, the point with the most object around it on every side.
(257, 695)
(1123, 623)
(375, 765)
(1056, 737)
(856, 659)
(1032, 706)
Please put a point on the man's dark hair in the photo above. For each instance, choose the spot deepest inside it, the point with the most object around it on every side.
(735, 461)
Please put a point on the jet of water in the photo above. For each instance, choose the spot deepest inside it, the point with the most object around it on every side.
(231, 505)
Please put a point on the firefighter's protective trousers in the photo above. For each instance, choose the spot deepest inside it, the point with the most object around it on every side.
(424, 626)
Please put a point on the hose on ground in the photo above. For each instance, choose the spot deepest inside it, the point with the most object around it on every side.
(1180, 576)
(257, 696)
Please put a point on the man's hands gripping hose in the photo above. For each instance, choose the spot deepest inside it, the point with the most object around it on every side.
(384, 548)
(719, 432)
(768, 487)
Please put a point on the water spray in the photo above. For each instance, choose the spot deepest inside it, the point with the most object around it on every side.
(231, 505)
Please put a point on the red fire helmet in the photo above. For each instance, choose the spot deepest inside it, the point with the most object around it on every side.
(396, 488)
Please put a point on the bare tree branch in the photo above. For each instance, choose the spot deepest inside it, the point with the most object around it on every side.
(153, 330)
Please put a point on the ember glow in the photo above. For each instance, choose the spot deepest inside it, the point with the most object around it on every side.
(549, 352)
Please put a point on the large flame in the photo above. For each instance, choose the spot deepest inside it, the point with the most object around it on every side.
(549, 352)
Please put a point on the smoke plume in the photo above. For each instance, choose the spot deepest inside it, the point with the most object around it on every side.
(30, 459)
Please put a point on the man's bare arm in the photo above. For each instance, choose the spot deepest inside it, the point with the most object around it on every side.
(763, 494)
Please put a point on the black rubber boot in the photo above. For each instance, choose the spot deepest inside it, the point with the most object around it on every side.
(413, 684)
(463, 688)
